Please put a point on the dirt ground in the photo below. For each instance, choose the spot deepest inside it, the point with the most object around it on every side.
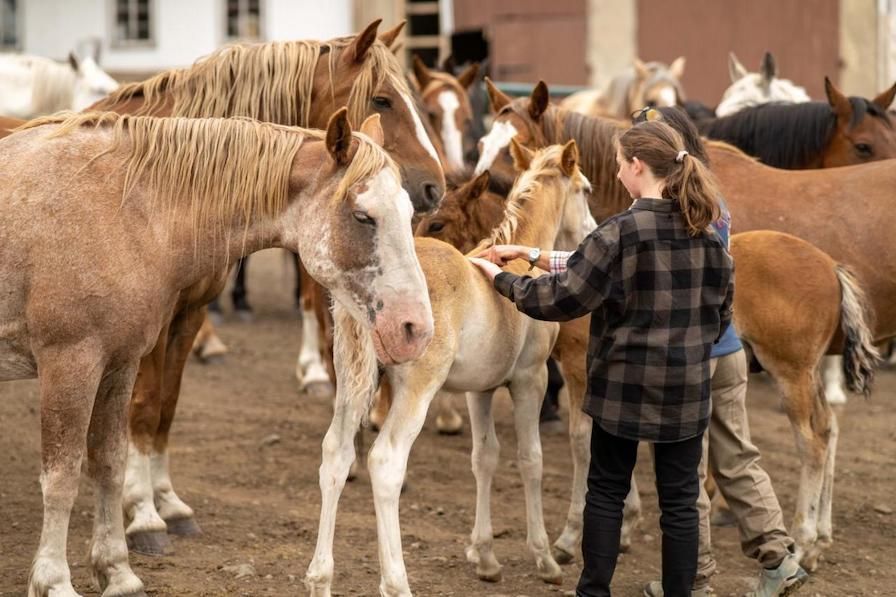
(258, 502)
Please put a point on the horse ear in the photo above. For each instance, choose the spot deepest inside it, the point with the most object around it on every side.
(736, 70)
(522, 156)
(767, 68)
(497, 98)
(677, 67)
(339, 136)
(421, 72)
(448, 64)
(374, 129)
(73, 61)
(469, 75)
(538, 101)
(839, 102)
(570, 158)
(388, 37)
(884, 100)
(641, 69)
(479, 185)
(362, 42)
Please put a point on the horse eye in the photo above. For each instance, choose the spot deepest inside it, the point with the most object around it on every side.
(435, 227)
(863, 149)
(363, 218)
(383, 103)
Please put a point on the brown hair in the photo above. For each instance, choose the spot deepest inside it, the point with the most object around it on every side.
(685, 177)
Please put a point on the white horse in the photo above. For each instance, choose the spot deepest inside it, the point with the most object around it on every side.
(751, 89)
(33, 86)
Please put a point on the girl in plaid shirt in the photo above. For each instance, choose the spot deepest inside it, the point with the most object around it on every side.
(659, 285)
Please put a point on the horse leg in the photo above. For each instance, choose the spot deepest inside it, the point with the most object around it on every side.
(825, 522)
(310, 369)
(178, 516)
(484, 459)
(240, 294)
(810, 416)
(106, 453)
(527, 391)
(338, 454)
(448, 420)
(382, 403)
(68, 386)
(146, 532)
(834, 382)
(569, 543)
(387, 464)
(208, 346)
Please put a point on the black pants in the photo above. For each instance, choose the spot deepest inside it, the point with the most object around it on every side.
(609, 479)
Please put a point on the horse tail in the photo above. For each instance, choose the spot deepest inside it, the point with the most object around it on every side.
(860, 356)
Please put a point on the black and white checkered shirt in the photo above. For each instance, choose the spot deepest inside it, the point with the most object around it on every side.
(660, 298)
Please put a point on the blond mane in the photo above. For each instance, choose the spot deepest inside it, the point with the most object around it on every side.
(528, 185)
(230, 170)
(272, 82)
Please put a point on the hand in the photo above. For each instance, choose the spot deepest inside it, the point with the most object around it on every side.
(488, 268)
(503, 254)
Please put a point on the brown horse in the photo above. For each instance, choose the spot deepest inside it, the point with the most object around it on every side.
(825, 207)
(465, 356)
(770, 316)
(293, 83)
(447, 102)
(108, 218)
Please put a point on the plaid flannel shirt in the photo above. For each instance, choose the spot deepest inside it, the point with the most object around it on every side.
(659, 299)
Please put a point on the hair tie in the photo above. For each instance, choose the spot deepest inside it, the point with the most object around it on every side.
(680, 157)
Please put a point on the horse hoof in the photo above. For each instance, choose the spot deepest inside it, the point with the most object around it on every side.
(453, 425)
(149, 543)
(625, 545)
(811, 559)
(554, 578)
(489, 575)
(450, 430)
(563, 557)
(183, 527)
(723, 518)
(319, 390)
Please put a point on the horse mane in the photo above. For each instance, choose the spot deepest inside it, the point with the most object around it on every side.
(440, 79)
(53, 85)
(785, 135)
(270, 82)
(228, 169)
(528, 185)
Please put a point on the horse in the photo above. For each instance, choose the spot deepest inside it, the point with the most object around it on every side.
(289, 83)
(464, 356)
(642, 84)
(107, 219)
(825, 207)
(839, 132)
(33, 86)
(762, 87)
(448, 105)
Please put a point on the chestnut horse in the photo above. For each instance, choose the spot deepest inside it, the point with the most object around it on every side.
(465, 356)
(825, 207)
(107, 218)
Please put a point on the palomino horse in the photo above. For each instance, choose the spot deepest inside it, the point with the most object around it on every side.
(294, 83)
(465, 356)
(824, 207)
(446, 100)
(32, 85)
(643, 84)
(763, 87)
(840, 132)
(107, 218)
(770, 317)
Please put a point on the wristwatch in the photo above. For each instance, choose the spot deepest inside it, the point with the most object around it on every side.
(534, 254)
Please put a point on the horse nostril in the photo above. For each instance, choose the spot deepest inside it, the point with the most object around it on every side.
(433, 195)
(410, 331)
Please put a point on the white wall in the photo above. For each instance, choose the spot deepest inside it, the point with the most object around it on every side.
(183, 31)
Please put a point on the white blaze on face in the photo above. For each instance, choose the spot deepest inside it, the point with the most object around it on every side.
(424, 139)
(93, 84)
(667, 96)
(451, 136)
(497, 139)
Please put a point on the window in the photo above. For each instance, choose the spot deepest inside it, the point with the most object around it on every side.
(133, 22)
(243, 19)
(9, 24)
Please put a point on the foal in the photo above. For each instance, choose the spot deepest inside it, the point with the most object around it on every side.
(107, 219)
(466, 355)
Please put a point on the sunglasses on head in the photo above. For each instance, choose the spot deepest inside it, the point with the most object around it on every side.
(646, 114)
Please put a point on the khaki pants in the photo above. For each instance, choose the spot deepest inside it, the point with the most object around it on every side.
(743, 483)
